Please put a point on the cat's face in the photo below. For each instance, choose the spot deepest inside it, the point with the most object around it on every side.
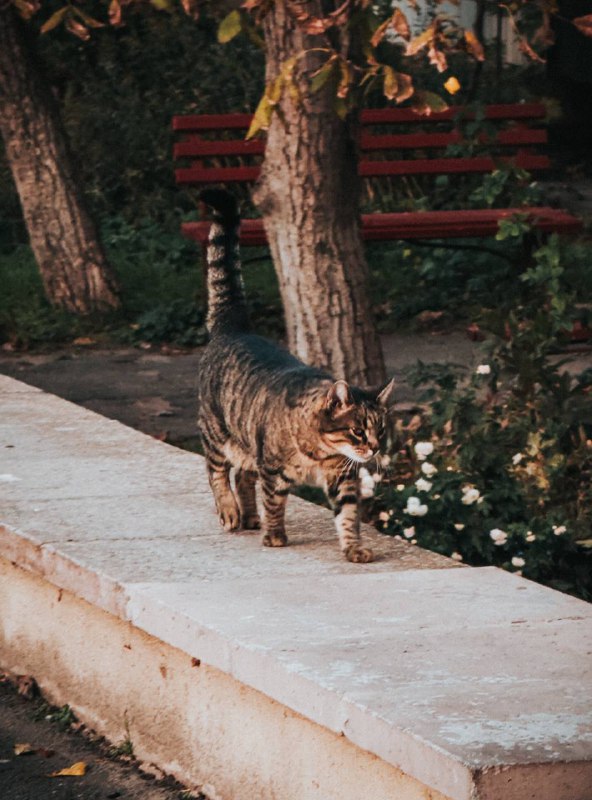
(353, 422)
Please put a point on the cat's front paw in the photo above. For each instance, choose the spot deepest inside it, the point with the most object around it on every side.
(275, 539)
(358, 554)
(230, 518)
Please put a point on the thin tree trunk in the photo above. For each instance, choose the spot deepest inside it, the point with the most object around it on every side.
(308, 195)
(73, 267)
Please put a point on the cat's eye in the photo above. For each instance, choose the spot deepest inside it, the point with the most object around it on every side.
(358, 432)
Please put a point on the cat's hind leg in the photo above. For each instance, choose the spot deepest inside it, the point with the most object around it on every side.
(245, 483)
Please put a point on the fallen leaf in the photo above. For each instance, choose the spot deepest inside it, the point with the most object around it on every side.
(76, 770)
(155, 407)
(23, 749)
(83, 340)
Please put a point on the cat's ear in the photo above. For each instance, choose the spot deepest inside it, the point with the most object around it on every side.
(339, 397)
(384, 395)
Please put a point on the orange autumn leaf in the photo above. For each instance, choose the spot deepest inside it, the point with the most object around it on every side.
(452, 85)
(474, 46)
(584, 24)
(76, 770)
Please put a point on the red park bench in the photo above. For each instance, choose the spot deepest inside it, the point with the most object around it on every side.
(394, 143)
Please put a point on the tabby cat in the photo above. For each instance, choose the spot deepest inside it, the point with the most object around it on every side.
(271, 417)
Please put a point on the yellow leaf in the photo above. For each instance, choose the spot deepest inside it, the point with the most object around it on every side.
(452, 85)
(76, 770)
(391, 84)
(261, 117)
(419, 42)
(230, 26)
(21, 749)
(345, 82)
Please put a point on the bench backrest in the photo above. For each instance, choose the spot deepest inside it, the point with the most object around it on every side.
(393, 142)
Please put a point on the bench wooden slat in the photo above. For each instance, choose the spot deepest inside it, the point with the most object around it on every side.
(370, 169)
(418, 225)
(449, 166)
(369, 116)
(368, 142)
(211, 122)
(420, 141)
(389, 116)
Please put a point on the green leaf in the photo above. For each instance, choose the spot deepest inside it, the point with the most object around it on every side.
(427, 103)
(341, 107)
(322, 76)
(230, 26)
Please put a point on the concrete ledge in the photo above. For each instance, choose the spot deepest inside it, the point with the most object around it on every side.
(274, 673)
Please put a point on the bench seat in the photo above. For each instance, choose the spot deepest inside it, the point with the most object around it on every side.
(417, 225)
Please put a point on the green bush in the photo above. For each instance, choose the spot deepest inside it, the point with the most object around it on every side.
(499, 467)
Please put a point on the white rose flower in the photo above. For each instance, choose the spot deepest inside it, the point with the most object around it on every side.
(518, 562)
(428, 469)
(483, 369)
(383, 516)
(470, 495)
(415, 508)
(366, 483)
(423, 485)
(459, 526)
(400, 487)
(409, 533)
(456, 556)
(499, 537)
(530, 537)
(559, 530)
(423, 450)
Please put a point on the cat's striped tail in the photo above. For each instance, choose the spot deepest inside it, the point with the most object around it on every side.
(227, 307)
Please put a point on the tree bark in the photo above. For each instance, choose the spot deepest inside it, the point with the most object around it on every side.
(308, 194)
(73, 267)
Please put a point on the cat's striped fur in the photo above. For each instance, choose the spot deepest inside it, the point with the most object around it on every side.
(271, 417)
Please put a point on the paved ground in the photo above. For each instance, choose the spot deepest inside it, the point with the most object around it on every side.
(24, 725)
(155, 390)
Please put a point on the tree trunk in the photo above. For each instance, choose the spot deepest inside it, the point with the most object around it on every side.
(75, 273)
(308, 195)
